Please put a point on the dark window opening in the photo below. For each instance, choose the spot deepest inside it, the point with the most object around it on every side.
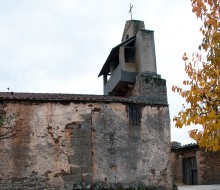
(134, 114)
(129, 54)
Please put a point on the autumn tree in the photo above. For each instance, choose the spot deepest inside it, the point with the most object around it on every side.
(201, 90)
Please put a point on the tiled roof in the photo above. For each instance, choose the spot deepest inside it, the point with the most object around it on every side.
(184, 147)
(52, 97)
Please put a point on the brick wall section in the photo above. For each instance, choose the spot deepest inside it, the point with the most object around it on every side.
(208, 165)
(177, 164)
(176, 160)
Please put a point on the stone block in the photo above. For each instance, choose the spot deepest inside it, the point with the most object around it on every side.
(72, 126)
(81, 141)
(85, 125)
(87, 179)
(82, 133)
(80, 170)
(72, 178)
(83, 160)
(82, 150)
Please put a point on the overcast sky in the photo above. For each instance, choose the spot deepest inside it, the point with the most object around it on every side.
(59, 46)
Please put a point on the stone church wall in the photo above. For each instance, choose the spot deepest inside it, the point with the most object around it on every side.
(70, 145)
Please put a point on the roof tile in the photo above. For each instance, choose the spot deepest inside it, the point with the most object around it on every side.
(74, 97)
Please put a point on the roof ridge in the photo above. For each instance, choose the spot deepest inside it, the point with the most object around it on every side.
(26, 96)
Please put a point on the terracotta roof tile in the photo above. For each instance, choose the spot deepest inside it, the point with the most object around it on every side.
(50, 97)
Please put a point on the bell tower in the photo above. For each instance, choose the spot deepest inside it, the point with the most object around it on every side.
(134, 57)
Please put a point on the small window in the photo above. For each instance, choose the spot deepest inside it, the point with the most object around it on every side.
(129, 54)
(127, 36)
(134, 114)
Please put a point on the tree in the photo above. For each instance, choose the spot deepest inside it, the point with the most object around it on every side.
(202, 88)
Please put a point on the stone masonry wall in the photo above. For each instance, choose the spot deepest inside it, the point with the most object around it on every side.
(85, 145)
(177, 164)
(208, 165)
(150, 87)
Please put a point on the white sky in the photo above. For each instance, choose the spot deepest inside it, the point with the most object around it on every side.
(59, 46)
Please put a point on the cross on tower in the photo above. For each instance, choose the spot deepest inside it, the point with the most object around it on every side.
(130, 11)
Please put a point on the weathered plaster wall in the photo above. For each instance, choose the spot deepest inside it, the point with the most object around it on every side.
(131, 28)
(131, 155)
(62, 146)
(145, 51)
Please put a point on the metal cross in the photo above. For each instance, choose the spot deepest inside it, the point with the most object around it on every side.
(131, 6)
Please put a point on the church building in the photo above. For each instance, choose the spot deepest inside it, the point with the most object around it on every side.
(117, 140)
